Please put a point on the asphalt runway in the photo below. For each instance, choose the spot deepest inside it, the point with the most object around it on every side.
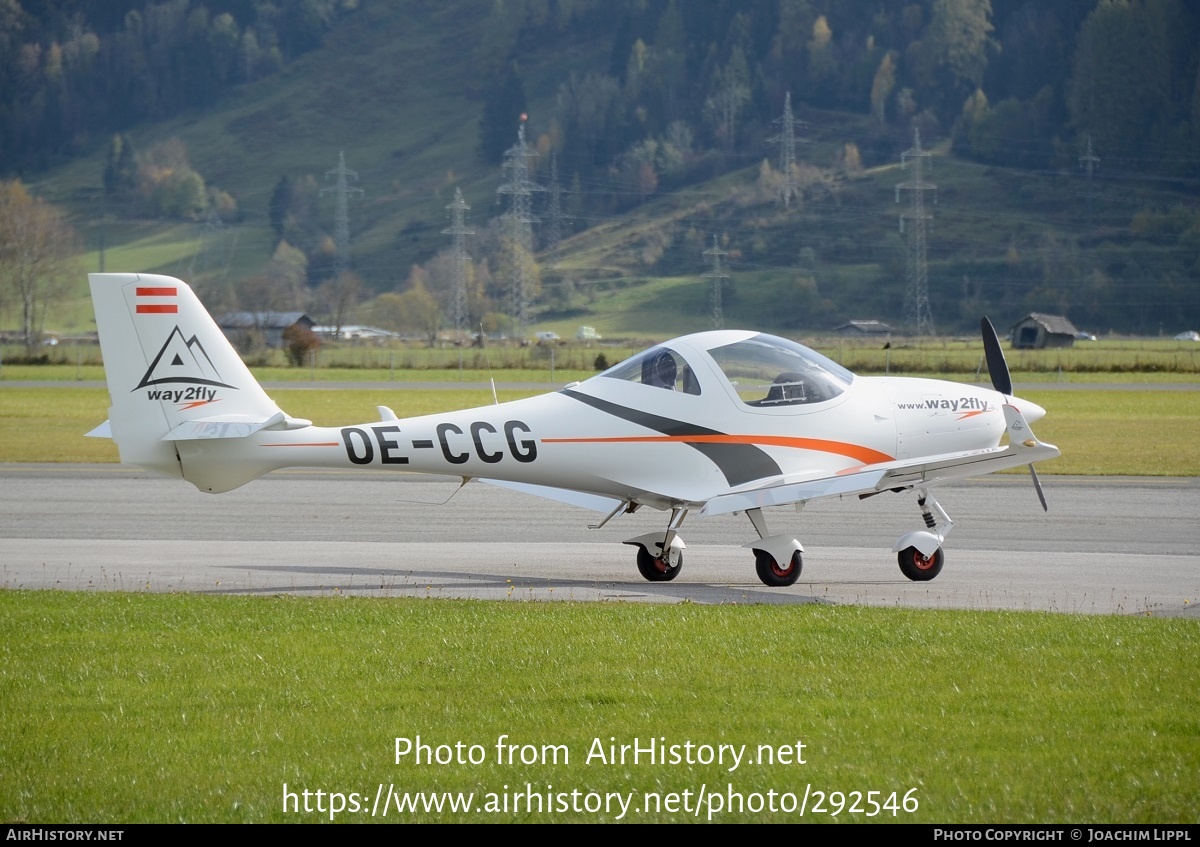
(1107, 546)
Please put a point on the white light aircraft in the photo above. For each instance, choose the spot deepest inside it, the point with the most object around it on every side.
(715, 422)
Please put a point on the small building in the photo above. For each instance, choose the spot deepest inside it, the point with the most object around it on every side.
(1037, 331)
(247, 329)
(864, 329)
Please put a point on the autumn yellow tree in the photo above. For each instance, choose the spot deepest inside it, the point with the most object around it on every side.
(416, 309)
(37, 250)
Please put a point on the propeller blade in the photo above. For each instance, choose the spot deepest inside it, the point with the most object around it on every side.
(1037, 485)
(997, 366)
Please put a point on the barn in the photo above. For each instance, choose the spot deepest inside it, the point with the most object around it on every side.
(1037, 331)
(864, 329)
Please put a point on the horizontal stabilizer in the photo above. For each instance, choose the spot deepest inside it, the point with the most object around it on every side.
(231, 426)
(102, 431)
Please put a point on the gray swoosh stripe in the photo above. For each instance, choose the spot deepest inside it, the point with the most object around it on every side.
(740, 463)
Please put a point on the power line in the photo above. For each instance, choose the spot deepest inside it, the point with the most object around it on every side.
(554, 206)
(517, 230)
(458, 255)
(916, 274)
(341, 213)
(787, 152)
(717, 277)
(1088, 162)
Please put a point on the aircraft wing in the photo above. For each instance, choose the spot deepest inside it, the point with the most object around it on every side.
(595, 502)
(1023, 449)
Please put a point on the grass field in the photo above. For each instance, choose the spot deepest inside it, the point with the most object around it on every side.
(1122, 360)
(125, 708)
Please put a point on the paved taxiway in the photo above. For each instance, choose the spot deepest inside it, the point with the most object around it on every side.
(1111, 546)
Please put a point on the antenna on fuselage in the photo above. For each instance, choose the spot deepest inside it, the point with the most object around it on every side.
(488, 360)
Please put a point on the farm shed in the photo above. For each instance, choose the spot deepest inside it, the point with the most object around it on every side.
(1036, 331)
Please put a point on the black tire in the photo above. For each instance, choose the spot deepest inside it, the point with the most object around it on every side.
(655, 568)
(771, 574)
(915, 566)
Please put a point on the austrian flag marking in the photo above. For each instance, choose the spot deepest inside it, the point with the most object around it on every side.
(155, 306)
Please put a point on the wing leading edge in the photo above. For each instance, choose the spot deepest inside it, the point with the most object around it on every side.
(1023, 449)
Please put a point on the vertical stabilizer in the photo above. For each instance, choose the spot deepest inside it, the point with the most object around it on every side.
(168, 364)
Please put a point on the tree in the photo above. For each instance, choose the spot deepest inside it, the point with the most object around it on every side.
(387, 311)
(958, 41)
(168, 184)
(1120, 91)
(639, 172)
(418, 309)
(504, 104)
(731, 92)
(293, 213)
(882, 86)
(120, 169)
(36, 250)
(288, 269)
(339, 297)
(299, 342)
(822, 64)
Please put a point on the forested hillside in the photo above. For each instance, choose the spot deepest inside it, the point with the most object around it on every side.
(1065, 133)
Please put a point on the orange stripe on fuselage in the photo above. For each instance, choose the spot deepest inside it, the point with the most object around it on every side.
(853, 451)
(308, 444)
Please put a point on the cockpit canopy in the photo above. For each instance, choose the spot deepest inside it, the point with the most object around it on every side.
(763, 371)
(768, 371)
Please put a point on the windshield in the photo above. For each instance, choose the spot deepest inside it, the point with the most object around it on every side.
(658, 367)
(767, 371)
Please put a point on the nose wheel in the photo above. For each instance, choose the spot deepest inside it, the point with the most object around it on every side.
(920, 553)
(917, 566)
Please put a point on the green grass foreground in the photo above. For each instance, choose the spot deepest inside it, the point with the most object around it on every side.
(128, 708)
(1101, 432)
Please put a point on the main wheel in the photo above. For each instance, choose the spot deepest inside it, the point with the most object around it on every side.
(656, 568)
(917, 567)
(771, 574)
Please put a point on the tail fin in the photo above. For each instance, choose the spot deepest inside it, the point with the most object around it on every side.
(173, 377)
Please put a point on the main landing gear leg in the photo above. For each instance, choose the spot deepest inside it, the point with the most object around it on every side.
(920, 553)
(771, 550)
(660, 556)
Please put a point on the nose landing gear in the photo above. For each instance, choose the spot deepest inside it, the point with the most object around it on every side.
(920, 553)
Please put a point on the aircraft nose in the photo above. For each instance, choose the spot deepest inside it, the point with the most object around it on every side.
(1031, 411)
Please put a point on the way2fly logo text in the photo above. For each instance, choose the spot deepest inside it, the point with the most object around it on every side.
(964, 407)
